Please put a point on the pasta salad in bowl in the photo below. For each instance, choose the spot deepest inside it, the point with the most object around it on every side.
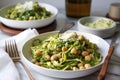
(74, 54)
(31, 14)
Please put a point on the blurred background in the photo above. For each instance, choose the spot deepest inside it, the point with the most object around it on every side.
(98, 8)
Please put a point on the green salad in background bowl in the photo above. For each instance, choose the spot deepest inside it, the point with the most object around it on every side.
(28, 11)
(73, 53)
(29, 14)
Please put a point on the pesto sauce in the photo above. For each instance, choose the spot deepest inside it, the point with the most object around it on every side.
(100, 24)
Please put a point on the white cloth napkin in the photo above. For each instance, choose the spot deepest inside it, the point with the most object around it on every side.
(22, 37)
(8, 70)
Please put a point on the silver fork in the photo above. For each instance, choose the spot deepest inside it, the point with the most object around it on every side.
(11, 49)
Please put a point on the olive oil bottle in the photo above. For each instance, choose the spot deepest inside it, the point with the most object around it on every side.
(78, 8)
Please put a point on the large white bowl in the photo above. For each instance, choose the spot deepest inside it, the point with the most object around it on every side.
(104, 33)
(31, 23)
(27, 57)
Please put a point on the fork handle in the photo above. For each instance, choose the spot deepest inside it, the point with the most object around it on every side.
(27, 71)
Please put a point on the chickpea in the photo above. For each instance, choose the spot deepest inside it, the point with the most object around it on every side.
(59, 56)
(74, 51)
(85, 53)
(64, 49)
(54, 52)
(37, 63)
(75, 34)
(60, 59)
(38, 53)
(54, 57)
(87, 66)
(31, 18)
(88, 58)
(49, 63)
(81, 67)
(81, 37)
(59, 49)
(74, 68)
(47, 57)
(55, 63)
(92, 56)
(80, 64)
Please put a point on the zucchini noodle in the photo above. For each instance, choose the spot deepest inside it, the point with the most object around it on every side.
(74, 53)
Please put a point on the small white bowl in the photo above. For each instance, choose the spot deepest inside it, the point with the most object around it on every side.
(31, 23)
(27, 56)
(104, 33)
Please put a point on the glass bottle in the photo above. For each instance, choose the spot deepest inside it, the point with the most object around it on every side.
(77, 8)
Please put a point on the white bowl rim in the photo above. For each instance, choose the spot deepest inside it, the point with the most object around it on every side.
(96, 29)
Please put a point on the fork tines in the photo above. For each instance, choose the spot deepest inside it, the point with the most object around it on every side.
(11, 48)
